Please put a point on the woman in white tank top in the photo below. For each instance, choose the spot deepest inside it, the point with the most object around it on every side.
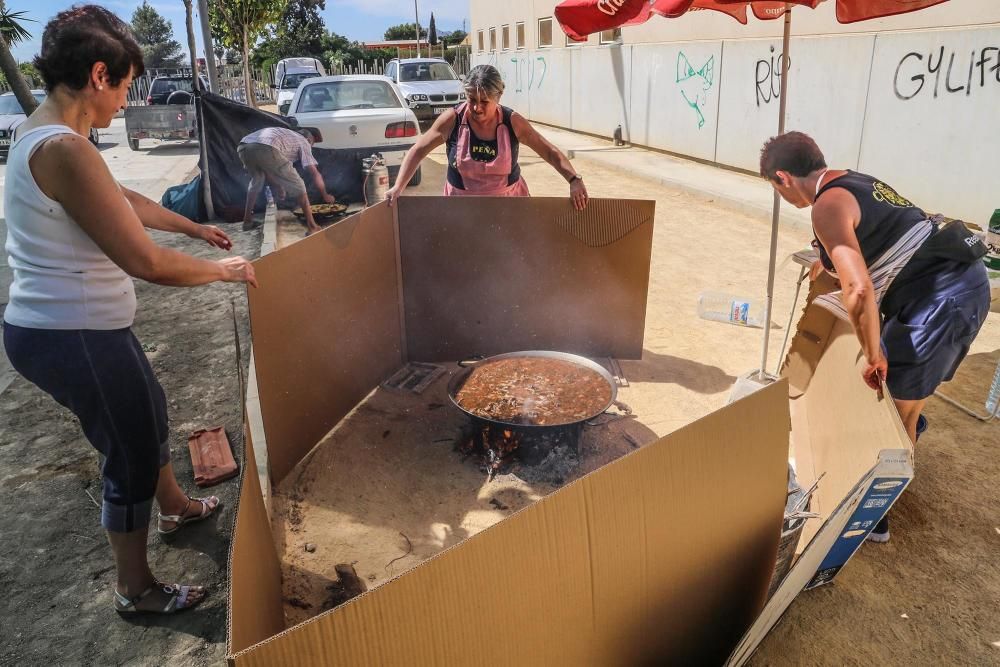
(76, 239)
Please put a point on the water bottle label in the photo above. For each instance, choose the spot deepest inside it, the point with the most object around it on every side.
(739, 312)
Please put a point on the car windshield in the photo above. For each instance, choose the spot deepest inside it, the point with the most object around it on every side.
(10, 106)
(292, 81)
(168, 86)
(426, 72)
(342, 95)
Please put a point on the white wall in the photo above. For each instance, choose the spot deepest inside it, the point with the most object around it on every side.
(937, 140)
(671, 106)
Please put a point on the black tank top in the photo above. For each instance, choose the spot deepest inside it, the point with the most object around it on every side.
(481, 149)
(885, 217)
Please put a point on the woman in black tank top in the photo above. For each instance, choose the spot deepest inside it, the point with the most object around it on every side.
(933, 307)
(483, 142)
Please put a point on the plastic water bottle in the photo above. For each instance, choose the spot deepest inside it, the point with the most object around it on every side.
(994, 398)
(992, 258)
(270, 197)
(721, 307)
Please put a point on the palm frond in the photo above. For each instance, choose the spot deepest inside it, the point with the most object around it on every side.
(10, 27)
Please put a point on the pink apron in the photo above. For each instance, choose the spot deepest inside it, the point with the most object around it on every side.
(484, 179)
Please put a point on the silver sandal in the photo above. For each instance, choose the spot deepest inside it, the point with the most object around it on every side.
(179, 520)
(178, 599)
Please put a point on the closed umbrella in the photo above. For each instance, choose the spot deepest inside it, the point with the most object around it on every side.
(580, 18)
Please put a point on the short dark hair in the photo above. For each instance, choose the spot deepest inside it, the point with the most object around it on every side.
(310, 133)
(81, 36)
(794, 152)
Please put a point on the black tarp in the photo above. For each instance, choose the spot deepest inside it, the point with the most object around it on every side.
(224, 123)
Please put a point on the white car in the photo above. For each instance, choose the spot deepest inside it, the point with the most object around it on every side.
(362, 113)
(12, 115)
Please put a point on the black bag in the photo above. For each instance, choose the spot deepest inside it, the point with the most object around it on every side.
(952, 240)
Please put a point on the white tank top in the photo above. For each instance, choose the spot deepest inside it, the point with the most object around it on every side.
(62, 279)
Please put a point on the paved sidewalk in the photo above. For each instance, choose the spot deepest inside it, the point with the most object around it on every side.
(741, 192)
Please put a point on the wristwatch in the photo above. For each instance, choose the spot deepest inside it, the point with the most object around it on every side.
(575, 177)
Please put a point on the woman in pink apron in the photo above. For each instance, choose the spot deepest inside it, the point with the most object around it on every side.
(483, 140)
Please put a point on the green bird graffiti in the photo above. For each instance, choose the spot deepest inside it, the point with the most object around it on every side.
(695, 84)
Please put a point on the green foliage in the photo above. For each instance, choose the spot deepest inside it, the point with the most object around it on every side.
(341, 50)
(230, 20)
(433, 38)
(155, 35)
(11, 30)
(404, 31)
(454, 37)
(300, 32)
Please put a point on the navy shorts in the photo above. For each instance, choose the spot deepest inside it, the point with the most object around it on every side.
(928, 339)
(104, 378)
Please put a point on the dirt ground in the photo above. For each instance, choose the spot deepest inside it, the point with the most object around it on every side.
(57, 576)
(55, 563)
(928, 597)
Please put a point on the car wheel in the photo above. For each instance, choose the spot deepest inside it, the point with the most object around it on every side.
(416, 177)
(133, 143)
(94, 137)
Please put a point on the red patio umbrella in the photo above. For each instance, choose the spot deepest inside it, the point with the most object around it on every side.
(580, 18)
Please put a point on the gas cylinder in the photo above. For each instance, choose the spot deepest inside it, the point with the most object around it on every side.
(376, 179)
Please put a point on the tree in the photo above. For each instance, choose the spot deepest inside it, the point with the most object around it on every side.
(155, 35)
(403, 31)
(433, 39)
(11, 33)
(189, 25)
(454, 37)
(300, 32)
(237, 24)
(340, 50)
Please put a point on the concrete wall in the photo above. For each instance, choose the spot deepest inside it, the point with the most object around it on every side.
(916, 107)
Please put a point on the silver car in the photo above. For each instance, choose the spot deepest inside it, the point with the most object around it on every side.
(429, 85)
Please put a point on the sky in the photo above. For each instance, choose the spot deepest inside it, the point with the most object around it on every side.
(361, 20)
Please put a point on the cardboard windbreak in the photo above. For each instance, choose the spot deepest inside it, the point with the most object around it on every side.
(663, 556)
(842, 431)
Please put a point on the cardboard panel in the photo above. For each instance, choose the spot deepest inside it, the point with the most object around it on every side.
(663, 557)
(486, 276)
(255, 607)
(326, 330)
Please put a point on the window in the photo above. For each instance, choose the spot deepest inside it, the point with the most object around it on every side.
(613, 36)
(341, 95)
(519, 41)
(292, 81)
(505, 37)
(493, 39)
(390, 71)
(482, 45)
(545, 32)
(426, 71)
(570, 42)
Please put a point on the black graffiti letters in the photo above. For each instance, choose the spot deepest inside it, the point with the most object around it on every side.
(767, 74)
(915, 73)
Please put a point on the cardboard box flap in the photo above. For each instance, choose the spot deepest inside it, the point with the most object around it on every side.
(485, 284)
(256, 611)
(326, 330)
(662, 557)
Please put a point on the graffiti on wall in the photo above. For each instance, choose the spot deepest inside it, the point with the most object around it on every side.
(767, 75)
(523, 73)
(915, 72)
(694, 85)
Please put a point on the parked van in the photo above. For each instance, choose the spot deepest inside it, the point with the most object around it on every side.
(289, 73)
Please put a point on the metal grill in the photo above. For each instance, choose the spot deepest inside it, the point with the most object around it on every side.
(437, 98)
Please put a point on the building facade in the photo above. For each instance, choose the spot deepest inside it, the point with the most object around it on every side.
(913, 99)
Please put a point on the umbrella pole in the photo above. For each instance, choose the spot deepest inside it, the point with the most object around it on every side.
(776, 211)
